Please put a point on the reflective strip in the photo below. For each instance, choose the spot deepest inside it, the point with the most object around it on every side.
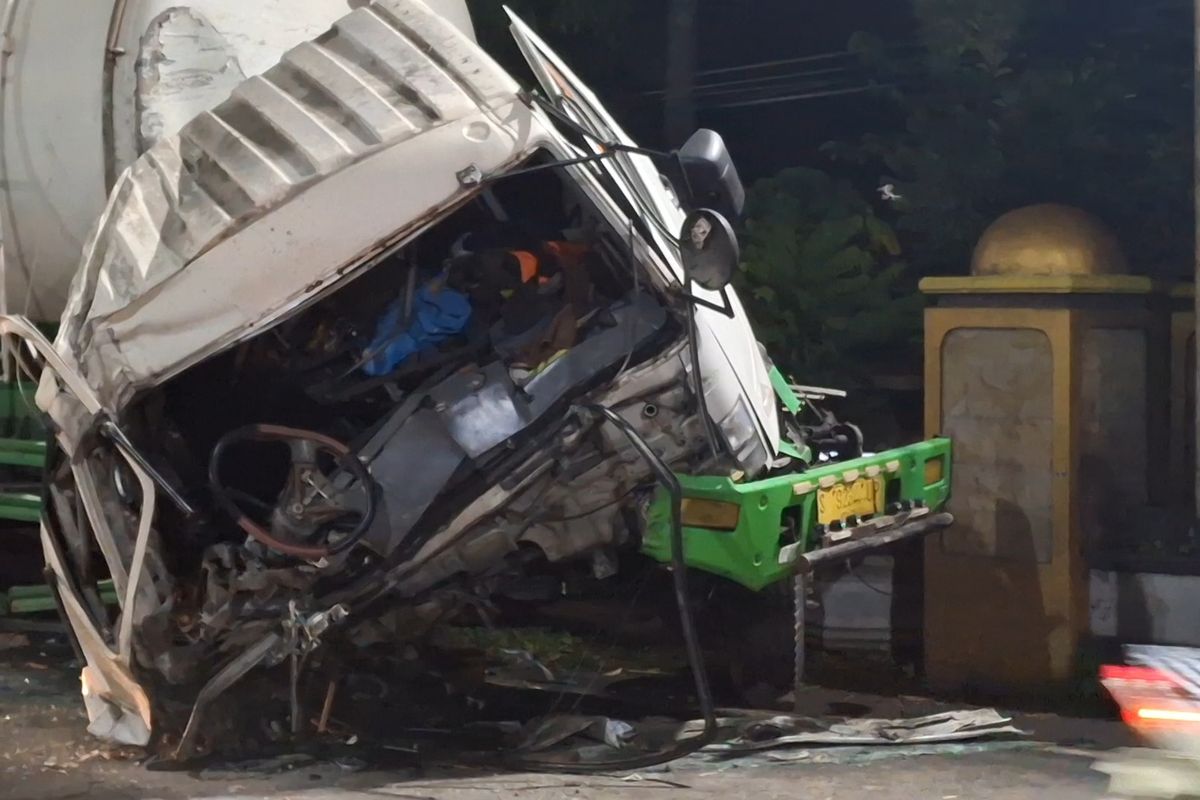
(873, 471)
(804, 487)
(828, 480)
(893, 466)
(850, 475)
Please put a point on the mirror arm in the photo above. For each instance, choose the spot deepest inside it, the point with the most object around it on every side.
(533, 99)
(471, 177)
(727, 305)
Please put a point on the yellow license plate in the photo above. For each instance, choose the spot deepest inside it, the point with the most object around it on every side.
(862, 498)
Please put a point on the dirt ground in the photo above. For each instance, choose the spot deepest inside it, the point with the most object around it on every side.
(45, 752)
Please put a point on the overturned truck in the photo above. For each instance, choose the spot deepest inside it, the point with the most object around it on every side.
(383, 338)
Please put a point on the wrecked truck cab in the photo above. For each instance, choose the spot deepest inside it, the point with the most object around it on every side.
(382, 336)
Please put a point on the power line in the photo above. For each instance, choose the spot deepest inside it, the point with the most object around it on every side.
(801, 60)
(804, 96)
(763, 79)
(763, 82)
(783, 89)
(789, 82)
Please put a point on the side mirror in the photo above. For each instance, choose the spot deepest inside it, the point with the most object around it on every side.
(709, 175)
(709, 249)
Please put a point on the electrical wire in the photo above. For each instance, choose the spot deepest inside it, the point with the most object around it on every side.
(787, 82)
(804, 96)
(854, 571)
(775, 89)
(829, 56)
(752, 82)
(782, 90)
(744, 81)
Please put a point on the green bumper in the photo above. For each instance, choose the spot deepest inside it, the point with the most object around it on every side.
(781, 510)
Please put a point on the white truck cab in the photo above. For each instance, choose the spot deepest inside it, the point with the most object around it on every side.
(248, 284)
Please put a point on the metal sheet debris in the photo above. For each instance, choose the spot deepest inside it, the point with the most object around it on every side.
(769, 738)
(544, 733)
(759, 732)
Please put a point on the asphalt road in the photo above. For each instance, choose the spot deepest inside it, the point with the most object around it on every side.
(45, 752)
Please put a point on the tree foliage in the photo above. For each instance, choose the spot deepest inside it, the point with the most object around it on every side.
(1016, 102)
(823, 279)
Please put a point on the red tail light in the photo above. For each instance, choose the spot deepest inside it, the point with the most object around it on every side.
(1121, 672)
(1152, 715)
(1149, 697)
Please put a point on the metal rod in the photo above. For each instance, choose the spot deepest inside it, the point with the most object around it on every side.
(118, 437)
(297, 705)
(799, 600)
(410, 294)
(327, 707)
(922, 527)
(112, 52)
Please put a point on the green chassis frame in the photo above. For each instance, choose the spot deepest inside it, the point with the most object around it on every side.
(782, 510)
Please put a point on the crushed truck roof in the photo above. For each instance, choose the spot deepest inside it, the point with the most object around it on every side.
(350, 144)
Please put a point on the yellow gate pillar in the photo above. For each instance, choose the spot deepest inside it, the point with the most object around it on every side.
(1038, 366)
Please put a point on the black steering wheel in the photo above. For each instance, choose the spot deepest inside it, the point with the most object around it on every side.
(312, 504)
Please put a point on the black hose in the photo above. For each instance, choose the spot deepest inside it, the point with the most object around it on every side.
(667, 479)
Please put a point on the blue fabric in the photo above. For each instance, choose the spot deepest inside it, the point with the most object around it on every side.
(438, 314)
